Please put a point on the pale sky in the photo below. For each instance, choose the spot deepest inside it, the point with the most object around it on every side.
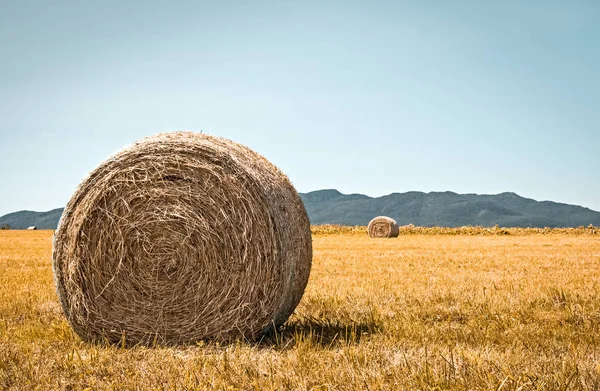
(369, 97)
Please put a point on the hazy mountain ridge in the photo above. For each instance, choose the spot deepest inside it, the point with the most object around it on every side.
(421, 209)
(445, 209)
(27, 218)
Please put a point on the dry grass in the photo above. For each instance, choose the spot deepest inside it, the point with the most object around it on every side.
(423, 311)
(332, 229)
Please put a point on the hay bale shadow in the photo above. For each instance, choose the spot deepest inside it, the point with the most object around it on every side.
(312, 332)
(324, 334)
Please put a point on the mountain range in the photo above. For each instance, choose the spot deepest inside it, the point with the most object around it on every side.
(446, 209)
(27, 218)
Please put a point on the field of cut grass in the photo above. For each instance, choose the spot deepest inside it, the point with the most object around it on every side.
(423, 311)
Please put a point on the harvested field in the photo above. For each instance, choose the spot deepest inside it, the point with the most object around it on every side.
(423, 311)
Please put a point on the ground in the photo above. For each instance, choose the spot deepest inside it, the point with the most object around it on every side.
(490, 310)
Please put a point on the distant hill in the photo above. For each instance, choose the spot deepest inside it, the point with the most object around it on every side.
(27, 218)
(446, 209)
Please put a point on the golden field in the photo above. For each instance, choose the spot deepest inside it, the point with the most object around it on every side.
(470, 309)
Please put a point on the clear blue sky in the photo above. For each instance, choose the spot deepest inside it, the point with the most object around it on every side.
(369, 97)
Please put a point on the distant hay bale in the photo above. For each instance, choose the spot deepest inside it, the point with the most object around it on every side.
(383, 227)
(178, 238)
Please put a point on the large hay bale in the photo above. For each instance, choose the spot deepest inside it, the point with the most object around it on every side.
(178, 238)
(383, 227)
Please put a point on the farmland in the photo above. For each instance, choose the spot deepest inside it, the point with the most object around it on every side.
(433, 309)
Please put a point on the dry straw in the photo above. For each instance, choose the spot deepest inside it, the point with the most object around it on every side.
(178, 238)
(383, 227)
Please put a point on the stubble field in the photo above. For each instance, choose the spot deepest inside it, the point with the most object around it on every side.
(423, 311)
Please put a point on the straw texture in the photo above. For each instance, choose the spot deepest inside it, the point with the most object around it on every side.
(383, 227)
(178, 238)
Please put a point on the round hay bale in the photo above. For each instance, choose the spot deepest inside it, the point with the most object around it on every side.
(178, 238)
(383, 227)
